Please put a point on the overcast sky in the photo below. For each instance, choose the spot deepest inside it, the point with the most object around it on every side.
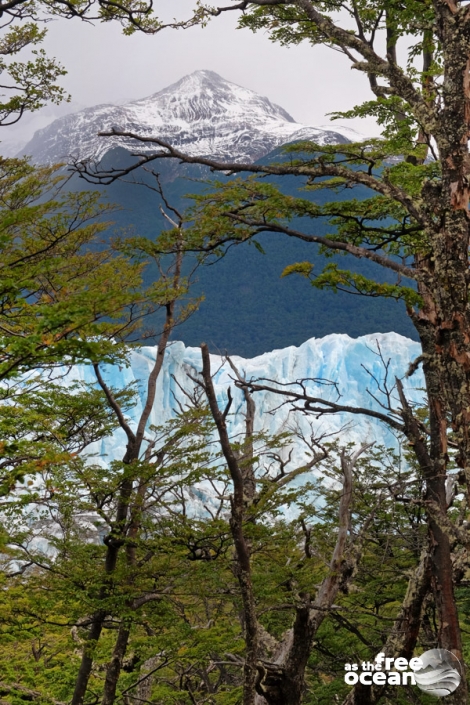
(106, 67)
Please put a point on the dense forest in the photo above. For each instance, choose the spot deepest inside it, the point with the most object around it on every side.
(202, 566)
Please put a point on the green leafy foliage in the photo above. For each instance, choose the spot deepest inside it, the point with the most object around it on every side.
(61, 300)
(187, 629)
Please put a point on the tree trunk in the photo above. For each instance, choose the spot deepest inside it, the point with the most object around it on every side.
(114, 543)
(86, 664)
(119, 530)
(242, 547)
(115, 665)
(432, 458)
(282, 682)
(404, 634)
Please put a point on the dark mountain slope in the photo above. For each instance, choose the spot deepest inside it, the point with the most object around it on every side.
(248, 308)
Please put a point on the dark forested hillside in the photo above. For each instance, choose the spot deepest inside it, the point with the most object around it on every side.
(248, 309)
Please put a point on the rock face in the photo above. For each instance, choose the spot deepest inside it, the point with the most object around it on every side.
(202, 114)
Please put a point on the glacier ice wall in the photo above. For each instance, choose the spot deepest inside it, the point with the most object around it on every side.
(353, 364)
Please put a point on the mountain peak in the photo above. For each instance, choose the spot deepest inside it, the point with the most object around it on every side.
(197, 81)
(204, 94)
(202, 114)
(204, 76)
(204, 80)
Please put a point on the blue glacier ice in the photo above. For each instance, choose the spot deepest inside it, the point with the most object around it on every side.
(352, 363)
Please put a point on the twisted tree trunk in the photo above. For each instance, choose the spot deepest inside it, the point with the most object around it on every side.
(404, 634)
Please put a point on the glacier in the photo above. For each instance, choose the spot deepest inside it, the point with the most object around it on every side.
(353, 364)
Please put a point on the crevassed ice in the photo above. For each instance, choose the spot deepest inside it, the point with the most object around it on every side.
(351, 363)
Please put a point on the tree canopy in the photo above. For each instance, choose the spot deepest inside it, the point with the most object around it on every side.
(143, 549)
(415, 58)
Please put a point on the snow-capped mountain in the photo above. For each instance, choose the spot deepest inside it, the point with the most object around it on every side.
(352, 363)
(202, 114)
(18, 135)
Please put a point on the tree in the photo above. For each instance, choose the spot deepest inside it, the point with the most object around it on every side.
(349, 567)
(280, 682)
(66, 297)
(186, 585)
(125, 520)
(415, 223)
(62, 301)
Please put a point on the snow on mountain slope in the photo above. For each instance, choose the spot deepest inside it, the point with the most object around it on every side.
(202, 114)
(336, 357)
